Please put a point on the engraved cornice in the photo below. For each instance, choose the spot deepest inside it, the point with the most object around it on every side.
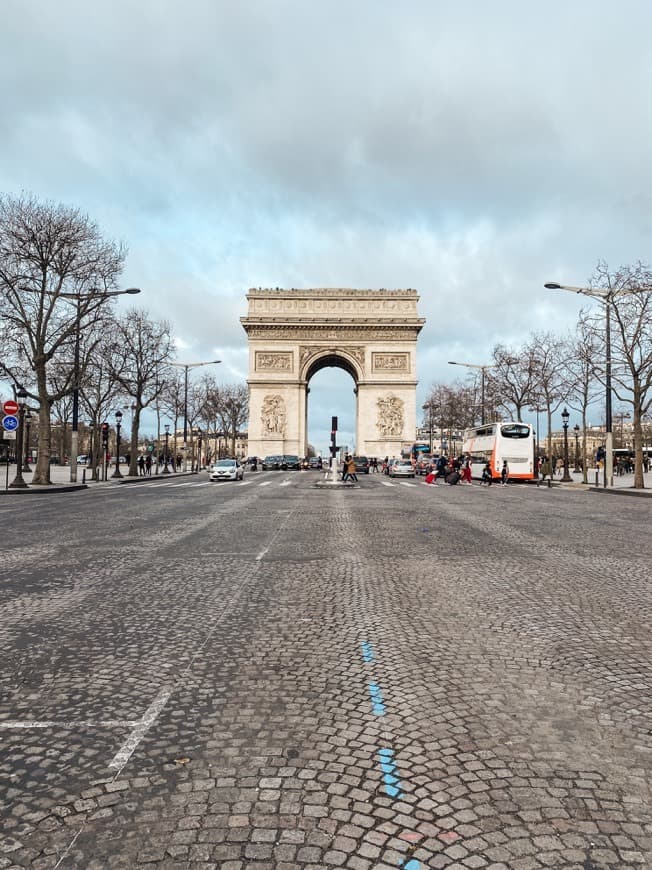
(334, 332)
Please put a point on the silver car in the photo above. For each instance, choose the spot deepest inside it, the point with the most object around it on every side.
(227, 469)
(401, 468)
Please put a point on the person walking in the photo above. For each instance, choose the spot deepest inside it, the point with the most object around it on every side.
(374, 465)
(148, 465)
(486, 474)
(350, 470)
(466, 473)
(546, 471)
(504, 473)
(141, 465)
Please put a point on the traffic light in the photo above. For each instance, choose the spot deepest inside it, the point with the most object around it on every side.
(105, 434)
(333, 424)
(333, 436)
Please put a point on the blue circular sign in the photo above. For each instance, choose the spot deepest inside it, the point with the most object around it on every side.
(10, 423)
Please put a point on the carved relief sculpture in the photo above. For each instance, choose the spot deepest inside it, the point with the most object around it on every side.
(279, 361)
(390, 416)
(391, 362)
(273, 416)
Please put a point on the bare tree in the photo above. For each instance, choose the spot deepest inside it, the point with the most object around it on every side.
(629, 295)
(139, 353)
(229, 404)
(55, 273)
(547, 355)
(512, 380)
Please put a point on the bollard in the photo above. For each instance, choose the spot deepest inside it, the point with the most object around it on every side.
(597, 473)
(84, 475)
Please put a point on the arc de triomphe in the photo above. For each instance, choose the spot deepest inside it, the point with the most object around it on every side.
(371, 334)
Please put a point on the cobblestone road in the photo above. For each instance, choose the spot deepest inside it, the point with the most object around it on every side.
(271, 676)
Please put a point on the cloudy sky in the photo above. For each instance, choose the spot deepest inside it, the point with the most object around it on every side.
(472, 151)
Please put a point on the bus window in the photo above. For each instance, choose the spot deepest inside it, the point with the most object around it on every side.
(515, 430)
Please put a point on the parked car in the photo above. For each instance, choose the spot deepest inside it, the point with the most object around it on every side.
(401, 468)
(82, 460)
(361, 464)
(227, 469)
(272, 463)
(291, 463)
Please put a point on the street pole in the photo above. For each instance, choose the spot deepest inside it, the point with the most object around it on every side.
(482, 415)
(609, 437)
(566, 478)
(166, 470)
(26, 456)
(74, 435)
(118, 423)
(576, 430)
(18, 482)
(483, 370)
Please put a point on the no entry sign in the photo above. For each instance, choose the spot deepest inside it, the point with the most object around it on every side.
(10, 407)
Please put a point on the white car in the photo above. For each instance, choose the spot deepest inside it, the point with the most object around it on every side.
(227, 469)
(401, 468)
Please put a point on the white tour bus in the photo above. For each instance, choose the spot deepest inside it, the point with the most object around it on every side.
(496, 442)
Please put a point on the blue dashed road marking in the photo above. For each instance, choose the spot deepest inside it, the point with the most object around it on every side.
(412, 864)
(367, 652)
(392, 782)
(377, 699)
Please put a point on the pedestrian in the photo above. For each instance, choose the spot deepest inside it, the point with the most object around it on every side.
(148, 465)
(504, 473)
(178, 462)
(466, 472)
(486, 475)
(141, 465)
(351, 470)
(374, 465)
(385, 465)
(546, 471)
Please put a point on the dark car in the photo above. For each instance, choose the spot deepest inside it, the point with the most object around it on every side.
(361, 464)
(291, 463)
(425, 463)
(315, 462)
(272, 463)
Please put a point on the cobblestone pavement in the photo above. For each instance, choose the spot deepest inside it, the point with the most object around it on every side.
(273, 676)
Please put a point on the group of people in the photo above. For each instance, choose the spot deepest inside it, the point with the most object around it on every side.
(348, 469)
(458, 470)
(145, 463)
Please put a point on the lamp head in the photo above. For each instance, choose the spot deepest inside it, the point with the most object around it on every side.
(167, 428)
(552, 285)
(118, 416)
(132, 291)
(564, 416)
(21, 395)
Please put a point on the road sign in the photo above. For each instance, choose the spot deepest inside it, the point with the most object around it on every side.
(10, 407)
(10, 423)
(10, 436)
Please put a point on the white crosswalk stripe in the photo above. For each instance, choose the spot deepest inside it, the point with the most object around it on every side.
(387, 483)
(265, 483)
(406, 483)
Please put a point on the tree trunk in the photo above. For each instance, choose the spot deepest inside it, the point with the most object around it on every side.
(639, 481)
(133, 450)
(585, 478)
(42, 468)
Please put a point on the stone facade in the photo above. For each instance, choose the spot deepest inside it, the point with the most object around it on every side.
(292, 334)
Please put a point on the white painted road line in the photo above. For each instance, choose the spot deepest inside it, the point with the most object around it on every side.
(285, 483)
(26, 724)
(387, 483)
(265, 483)
(125, 752)
(406, 483)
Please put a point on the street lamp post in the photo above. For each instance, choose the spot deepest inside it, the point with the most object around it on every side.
(607, 297)
(185, 367)
(428, 407)
(18, 482)
(564, 416)
(482, 369)
(26, 456)
(118, 424)
(166, 470)
(199, 440)
(74, 436)
(576, 430)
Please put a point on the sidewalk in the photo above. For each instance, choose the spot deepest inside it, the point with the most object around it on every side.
(60, 477)
(623, 485)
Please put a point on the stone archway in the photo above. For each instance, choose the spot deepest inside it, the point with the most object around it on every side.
(371, 334)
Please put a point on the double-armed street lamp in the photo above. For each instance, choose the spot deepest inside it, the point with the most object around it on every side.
(118, 424)
(185, 367)
(482, 370)
(606, 296)
(564, 416)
